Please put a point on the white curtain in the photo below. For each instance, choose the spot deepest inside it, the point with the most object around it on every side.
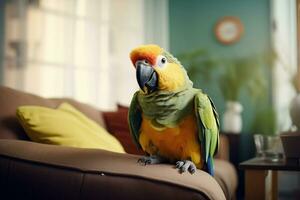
(284, 37)
(80, 48)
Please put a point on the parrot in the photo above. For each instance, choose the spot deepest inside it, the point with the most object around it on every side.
(169, 119)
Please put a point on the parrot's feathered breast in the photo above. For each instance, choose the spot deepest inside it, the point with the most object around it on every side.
(177, 143)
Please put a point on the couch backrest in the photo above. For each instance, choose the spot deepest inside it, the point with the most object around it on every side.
(11, 99)
(115, 122)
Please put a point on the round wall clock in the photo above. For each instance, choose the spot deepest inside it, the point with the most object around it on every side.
(229, 30)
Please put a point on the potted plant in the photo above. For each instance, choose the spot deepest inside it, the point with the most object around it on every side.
(233, 75)
(239, 73)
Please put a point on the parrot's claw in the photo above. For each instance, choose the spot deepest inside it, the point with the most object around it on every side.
(148, 160)
(186, 165)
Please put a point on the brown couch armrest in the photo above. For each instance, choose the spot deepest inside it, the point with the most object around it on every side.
(27, 168)
(223, 152)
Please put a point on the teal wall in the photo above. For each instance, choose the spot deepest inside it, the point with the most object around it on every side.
(191, 27)
(2, 13)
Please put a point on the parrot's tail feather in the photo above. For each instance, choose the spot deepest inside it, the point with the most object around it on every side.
(210, 166)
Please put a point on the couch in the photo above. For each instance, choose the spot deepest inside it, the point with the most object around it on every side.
(30, 170)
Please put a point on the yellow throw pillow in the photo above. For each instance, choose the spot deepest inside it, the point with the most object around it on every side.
(65, 126)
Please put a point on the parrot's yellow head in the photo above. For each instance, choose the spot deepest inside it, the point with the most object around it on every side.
(156, 69)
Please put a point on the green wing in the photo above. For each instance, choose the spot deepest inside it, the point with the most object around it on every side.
(208, 123)
(216, 115)
(135, 119)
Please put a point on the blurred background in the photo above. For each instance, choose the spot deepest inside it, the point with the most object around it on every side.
(77, 48)
(242, 53)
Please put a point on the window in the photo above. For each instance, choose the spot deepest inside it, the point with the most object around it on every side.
(78, 48)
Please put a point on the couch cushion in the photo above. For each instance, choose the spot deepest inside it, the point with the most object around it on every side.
(65, 126)
(90, 111)
(10, 99)
(226, 176)
(106, 175)
(117, 124)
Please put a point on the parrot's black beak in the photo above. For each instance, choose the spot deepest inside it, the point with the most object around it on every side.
(146, 77)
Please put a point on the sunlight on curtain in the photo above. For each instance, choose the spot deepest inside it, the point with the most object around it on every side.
(285, 66)
(79, 48)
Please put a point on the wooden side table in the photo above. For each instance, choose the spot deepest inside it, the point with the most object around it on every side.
(261, 177)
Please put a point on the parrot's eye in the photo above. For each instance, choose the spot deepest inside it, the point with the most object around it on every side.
(161, 61)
